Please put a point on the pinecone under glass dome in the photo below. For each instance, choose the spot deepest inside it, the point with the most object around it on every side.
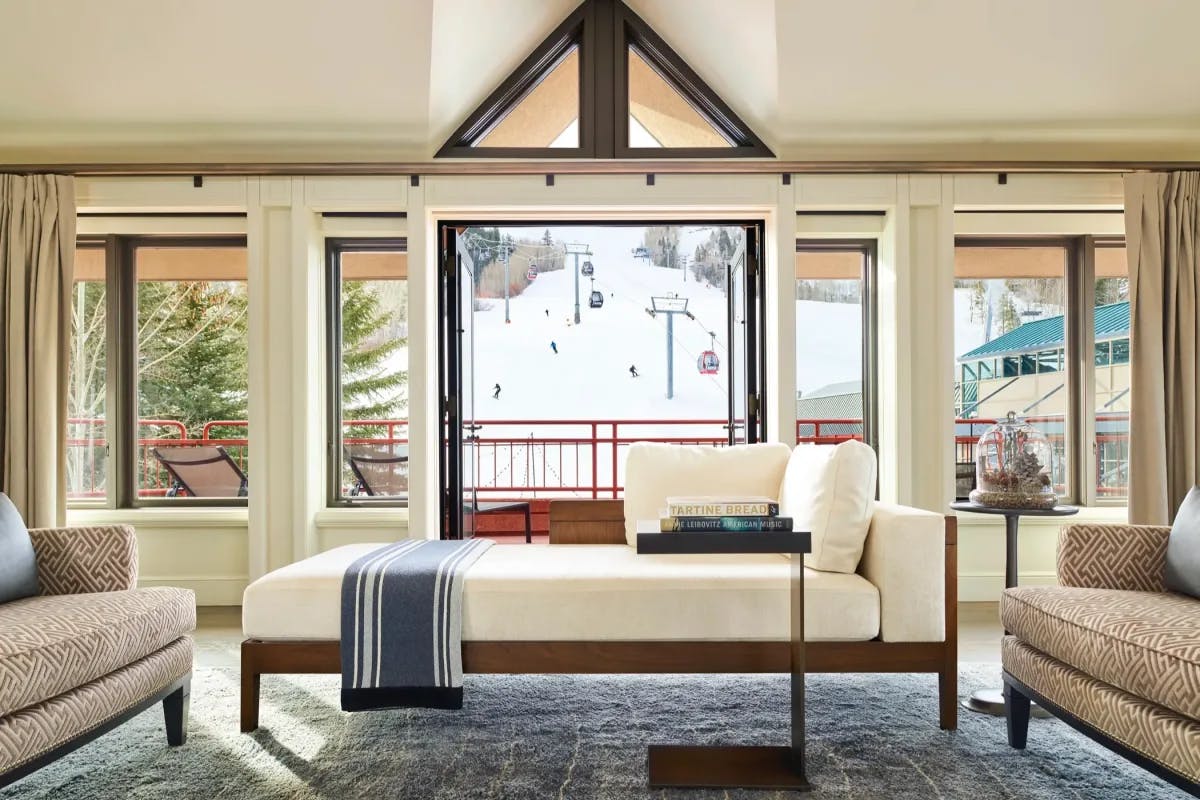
(1013, 467)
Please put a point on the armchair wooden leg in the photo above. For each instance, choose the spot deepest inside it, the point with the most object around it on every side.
(1016, 711)
(948, 699)
(175, 712)
(251, 685)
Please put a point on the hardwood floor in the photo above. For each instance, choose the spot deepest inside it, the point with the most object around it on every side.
(219, 634)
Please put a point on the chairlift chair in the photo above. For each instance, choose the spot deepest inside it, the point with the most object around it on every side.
(708, 363)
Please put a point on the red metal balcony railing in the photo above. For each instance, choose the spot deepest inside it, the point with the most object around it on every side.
(542, 458)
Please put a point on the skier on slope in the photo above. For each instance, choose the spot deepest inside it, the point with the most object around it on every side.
(496, 392)
(547, 312)
(554, 347)
(633, 373)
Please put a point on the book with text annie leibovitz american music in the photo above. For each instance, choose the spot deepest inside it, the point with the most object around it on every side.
(726, 524)
(722, 507)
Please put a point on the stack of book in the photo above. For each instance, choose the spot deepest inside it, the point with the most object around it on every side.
(701, 514)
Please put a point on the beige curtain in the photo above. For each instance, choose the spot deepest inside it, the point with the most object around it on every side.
(37, 256)
(1162, 232)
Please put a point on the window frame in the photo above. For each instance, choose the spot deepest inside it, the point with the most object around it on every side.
(121, 365)
(1079, 425)
(111, 339)
(335, 246)
(869, 250)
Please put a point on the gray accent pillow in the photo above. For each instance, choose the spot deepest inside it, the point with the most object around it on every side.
(1183, 548)
(18, 569)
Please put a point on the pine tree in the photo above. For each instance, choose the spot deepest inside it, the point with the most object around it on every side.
(369, 389)
(192, 352)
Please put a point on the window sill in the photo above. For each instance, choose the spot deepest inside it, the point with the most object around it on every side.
(185, 517)
(361, 517)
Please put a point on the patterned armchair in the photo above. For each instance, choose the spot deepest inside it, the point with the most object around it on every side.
(1110, 651)
(90, 651)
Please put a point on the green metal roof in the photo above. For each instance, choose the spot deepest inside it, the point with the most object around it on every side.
(1112, 322)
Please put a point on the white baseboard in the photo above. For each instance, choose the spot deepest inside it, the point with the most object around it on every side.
(988, 586)
(211, 590)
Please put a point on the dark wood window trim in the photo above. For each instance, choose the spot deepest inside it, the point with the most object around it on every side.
(334, 248)
(868, 249)
(122, 365)
(573, 32)
(604, 30)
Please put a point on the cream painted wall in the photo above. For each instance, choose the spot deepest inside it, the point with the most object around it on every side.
(217, 552)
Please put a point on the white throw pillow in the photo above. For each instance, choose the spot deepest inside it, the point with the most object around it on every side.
(830, 491)
(654, 472)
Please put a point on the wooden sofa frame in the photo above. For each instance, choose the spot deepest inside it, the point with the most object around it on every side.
(602, 522)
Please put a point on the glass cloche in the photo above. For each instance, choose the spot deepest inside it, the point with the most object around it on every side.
(1013, 467)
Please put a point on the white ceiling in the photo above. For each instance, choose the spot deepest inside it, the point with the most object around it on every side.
(229, 80)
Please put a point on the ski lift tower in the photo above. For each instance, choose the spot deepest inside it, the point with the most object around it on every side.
(577, 250)
(669, 306)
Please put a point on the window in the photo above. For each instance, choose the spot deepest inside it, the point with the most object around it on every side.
(1035, 303)
(368, 332)
(1010, 300)
(603, 84)
(659, 116)
(1049, 361)
(87, 386)
(1111, 372)
(192, 378)
(834, 344)
(159, 324)
(547, 116)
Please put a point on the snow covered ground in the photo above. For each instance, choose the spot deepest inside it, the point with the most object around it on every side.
(589, 378)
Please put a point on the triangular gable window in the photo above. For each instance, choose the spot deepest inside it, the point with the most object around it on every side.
(603, 85)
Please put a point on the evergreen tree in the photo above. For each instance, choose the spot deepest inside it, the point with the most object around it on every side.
(192, 359)
(369, 389)
(547, 239)
(663, 243)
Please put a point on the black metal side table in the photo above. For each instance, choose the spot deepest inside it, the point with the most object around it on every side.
(738, 766)
(991, 701)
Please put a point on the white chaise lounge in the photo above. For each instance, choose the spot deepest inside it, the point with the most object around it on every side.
(575, 606)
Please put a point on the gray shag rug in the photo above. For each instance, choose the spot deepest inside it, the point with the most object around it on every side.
(870, 736)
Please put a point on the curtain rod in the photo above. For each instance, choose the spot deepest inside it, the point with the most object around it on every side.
(551, 167)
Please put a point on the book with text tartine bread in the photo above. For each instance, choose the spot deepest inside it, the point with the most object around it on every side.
(728, 524)
(722, 507)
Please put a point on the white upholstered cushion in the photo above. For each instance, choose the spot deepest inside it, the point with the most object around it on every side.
(905, 558)
(654, 472)
(525, 592)
(830, 491)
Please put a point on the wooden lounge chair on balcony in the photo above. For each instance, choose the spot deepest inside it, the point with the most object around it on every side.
(379, 470)
(201, 471)
(382, 471)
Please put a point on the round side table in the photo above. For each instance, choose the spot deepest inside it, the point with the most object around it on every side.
(991, 701)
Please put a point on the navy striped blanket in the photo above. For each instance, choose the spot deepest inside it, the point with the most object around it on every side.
(402, 625)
